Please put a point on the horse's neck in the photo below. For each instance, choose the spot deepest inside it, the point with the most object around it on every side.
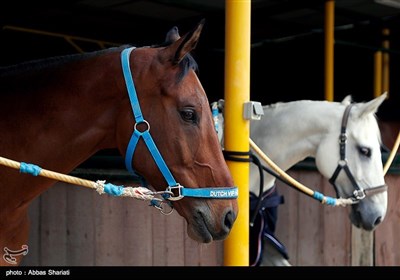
(290, 132)
(62, 124)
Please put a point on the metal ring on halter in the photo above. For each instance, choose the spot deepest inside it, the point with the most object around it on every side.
(359, 194)
(161, 208)
(342, 162)
(178, 187)
(143, 121)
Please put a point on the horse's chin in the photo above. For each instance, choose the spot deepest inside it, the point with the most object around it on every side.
(201, 227)
(355, 219)
(199, 234)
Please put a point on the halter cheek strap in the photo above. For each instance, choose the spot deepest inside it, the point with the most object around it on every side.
(140, 120)
(358, 193)
(173, 186)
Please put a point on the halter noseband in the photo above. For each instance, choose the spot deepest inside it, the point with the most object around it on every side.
(358, 193)
(222, 192)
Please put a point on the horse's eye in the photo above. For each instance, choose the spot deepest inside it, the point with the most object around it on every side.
(365, 151)
(189, 115)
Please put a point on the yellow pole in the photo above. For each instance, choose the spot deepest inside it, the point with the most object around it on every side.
(385, 61)
(377, 73)
(329, 47)
(237, 129)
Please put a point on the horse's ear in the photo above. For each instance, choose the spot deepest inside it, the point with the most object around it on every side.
(347, 100)
(182, 45)
(221, 105)
(372, 106)
(172, 36)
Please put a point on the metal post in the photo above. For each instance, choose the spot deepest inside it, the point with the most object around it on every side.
(329, 47)
(385, 61)
(237, 129)
(377, 73)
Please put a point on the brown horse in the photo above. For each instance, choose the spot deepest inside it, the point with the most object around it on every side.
(58, 112)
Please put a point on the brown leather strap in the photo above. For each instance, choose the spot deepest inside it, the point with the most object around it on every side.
(375, 190)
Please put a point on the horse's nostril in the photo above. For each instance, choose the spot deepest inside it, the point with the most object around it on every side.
(378, 221)
(229, 219)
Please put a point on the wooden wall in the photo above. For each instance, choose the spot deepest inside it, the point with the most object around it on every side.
(321, 235)
(75, 226)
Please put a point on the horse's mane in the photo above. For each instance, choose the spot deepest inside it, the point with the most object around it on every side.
(185, 64)
(44, 63)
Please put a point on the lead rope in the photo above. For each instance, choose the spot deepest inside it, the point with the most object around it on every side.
(100, 186)
(392, 154)
(314, 194)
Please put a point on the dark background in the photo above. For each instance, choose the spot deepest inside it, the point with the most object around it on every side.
(287, 55)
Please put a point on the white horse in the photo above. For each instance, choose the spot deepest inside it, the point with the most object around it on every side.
(344, 139)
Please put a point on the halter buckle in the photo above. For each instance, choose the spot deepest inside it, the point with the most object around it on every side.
(342, 138)
(359, 194)
(177, 188)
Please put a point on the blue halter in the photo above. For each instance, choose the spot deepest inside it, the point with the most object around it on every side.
(231, 192)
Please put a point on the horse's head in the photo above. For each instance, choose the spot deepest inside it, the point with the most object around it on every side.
(175, 105)
(354, 164)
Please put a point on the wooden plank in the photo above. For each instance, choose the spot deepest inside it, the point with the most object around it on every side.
(174, 240)
(159, 225)
(137, 232)
(33, 257)
(53, 226)
(337, 230)
(387, 247)
(220, 253)
(288, 222)
(80, 226)
(208, 254)
(109, 223)
(362, 247)
(192, 251)
(199, 254)
(168, 239)
(310, 231)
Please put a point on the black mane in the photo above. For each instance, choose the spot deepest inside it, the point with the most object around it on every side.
(6, 72)
(40, 64)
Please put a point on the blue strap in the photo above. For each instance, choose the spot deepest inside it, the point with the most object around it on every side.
(130, 150)
(158, 158)
(211, 192)
(130, 86)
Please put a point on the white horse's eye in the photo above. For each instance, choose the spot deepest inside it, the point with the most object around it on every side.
(365, 151)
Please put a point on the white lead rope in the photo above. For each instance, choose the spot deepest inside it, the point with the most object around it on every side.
(323, 199)
(101, 187)
(392, 154)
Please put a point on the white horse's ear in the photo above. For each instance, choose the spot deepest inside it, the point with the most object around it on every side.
(372, 106)
(221, 105)
(347, 100)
